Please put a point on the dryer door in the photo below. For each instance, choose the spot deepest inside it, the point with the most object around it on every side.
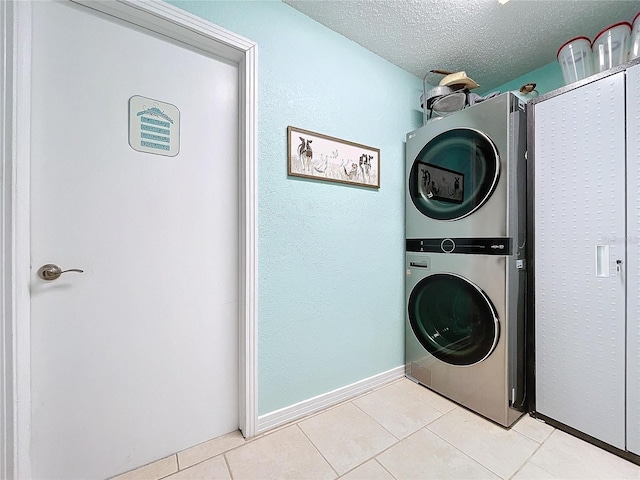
(453, 319)
(454, 174)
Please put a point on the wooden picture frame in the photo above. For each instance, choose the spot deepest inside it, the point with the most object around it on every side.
(321, 157)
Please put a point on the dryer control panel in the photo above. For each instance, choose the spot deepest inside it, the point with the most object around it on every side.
(473, 246)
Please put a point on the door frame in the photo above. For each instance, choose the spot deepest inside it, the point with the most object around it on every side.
(15, 270)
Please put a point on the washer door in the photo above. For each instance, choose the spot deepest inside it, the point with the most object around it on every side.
(454, 174)
(453, 319)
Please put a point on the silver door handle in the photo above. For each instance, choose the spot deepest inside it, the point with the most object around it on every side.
(50, 271)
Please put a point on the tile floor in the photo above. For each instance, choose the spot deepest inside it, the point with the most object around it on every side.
(398, 431)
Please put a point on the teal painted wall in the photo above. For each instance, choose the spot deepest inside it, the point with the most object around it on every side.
(330, 258)
(546, 78)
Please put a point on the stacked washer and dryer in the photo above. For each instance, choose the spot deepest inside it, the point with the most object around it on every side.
(465, 257)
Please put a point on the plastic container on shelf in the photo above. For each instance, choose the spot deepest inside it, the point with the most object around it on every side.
(610, 46)
(574, 57)
(634, 45)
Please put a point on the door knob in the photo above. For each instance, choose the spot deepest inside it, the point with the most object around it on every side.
(50, 271)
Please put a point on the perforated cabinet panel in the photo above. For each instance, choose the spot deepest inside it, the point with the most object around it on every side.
(633, 259)
(580, 203)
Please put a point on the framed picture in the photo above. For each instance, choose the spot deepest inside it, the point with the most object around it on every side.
(313, 155)
(440, 183)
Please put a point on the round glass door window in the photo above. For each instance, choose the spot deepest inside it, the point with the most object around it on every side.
(454, 174)
(453, 319)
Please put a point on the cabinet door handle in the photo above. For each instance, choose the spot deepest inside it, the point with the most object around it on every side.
(602, 260)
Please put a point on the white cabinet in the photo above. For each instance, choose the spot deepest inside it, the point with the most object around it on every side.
(586, 258)
(633, 259)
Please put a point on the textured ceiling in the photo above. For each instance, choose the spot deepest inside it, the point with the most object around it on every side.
(493, 43)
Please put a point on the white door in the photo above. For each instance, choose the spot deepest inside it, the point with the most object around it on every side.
(135, 358)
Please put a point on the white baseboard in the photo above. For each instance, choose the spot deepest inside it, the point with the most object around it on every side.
(326, 400)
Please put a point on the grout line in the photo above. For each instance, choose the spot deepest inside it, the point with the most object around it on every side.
(536, 451)
(318, 450)
(373, 458)
(178, 461)
(391, 446)
(419, 428)
(208, 458)
(465, 453)
(527, 461)
(386, 429)
(205, 460)
(383, 467)
(356, 467)
(226, 462)
(398, 440)
(221, 453)
(524, 435)
(553, 429)
(172, 473)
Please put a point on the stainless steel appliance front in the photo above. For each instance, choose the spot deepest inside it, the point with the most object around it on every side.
(459, 171)
(464, 315)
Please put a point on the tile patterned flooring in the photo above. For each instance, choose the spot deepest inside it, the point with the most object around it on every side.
(398, 431)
